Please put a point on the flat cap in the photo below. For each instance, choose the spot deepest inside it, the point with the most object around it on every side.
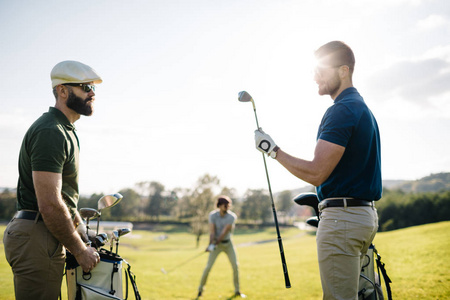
(70, 71)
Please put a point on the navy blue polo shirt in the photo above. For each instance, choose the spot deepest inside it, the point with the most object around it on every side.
(350, 123)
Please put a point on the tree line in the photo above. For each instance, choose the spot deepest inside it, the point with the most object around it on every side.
(150, 201)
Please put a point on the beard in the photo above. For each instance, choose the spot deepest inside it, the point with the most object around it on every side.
(330, 87)
(79, 105)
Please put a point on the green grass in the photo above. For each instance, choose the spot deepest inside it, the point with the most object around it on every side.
(417, 260)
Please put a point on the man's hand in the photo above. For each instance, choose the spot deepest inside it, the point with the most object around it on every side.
(88, 259)
(264, 142)
(210, 248)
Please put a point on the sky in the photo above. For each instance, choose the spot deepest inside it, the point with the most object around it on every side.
(168, 109)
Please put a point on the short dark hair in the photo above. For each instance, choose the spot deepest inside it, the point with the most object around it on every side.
(222, 199)
(337, 53)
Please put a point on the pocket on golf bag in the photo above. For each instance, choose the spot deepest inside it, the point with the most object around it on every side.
(86, 292)
(105, 279)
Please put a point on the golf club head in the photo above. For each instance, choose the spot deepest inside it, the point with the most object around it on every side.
(89, 213)
(104, 236)
(123, 231)
(114, 235)
(313, 221)
(244, 97)
(99, 241)
(309, 199)
(109, 200)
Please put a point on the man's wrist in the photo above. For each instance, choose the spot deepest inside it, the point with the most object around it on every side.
(274, 152)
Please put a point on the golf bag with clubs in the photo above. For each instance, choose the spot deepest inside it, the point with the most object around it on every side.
(369, 280)
(105, 281)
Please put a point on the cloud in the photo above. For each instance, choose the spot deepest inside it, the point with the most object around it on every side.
(432, 22)
(414, 81)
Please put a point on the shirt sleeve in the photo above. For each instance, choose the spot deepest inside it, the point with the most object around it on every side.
(337, 125)
(48, 151)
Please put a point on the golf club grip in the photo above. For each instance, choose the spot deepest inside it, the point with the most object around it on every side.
(280, 245)
(280, 241)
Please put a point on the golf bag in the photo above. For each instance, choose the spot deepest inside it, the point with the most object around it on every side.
(369, 280)
(103, 282)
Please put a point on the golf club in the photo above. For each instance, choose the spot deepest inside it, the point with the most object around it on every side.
(100, 240)
(106, 202)
(109, 200)
(183, 263)
(114, 237)
(121, 232)
(311, 200)
(245, 97)
(88, 214)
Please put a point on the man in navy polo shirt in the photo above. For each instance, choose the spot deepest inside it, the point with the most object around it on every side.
(346, 170)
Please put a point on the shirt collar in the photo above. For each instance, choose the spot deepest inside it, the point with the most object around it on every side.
(345, 92)
(61, 118)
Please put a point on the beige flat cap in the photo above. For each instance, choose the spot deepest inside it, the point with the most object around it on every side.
(71, 71)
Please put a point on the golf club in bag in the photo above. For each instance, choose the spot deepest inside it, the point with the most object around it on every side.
(369, 280)
(245, 97)
(105, 280)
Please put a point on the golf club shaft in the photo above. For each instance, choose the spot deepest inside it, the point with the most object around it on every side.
(186, 261)
(280, 241)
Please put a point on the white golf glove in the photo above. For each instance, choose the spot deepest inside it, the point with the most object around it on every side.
(264, 142)
(211, 248)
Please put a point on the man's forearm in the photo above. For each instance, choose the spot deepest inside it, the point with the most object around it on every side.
(59, 222)
(298, 167)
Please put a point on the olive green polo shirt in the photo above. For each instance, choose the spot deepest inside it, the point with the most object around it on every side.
(50, 145)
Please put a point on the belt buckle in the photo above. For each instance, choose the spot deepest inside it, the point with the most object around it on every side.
(322, 205)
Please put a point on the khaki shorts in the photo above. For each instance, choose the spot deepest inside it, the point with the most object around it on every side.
(36, 258)
(343, 238)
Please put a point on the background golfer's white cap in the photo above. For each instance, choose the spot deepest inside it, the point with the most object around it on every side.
(70, 71)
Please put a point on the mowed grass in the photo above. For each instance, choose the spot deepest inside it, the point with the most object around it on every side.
(417, 260)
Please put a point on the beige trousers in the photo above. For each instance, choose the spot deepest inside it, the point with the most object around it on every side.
(36, 258)
(228, 248)
(343, 238)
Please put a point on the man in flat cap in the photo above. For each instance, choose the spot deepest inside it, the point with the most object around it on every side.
(47, 220)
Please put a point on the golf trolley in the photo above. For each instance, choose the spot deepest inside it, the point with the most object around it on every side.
(369, 281)
(105, 280)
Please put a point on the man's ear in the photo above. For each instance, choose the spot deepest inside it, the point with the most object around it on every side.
(62, 91)
(344, 71)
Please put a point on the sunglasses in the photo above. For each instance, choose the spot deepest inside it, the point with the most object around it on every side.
(86, 87)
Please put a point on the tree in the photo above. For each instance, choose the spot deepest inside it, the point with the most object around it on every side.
(8, 204)
(201, 203)
(256, 206)
(128, 207)
(284, 204)
(156, 200)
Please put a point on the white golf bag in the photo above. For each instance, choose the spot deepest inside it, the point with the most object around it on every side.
(103, 282)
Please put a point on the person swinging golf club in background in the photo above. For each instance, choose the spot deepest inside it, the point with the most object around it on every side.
(346, 170)
(47, 191)
(221, 225)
